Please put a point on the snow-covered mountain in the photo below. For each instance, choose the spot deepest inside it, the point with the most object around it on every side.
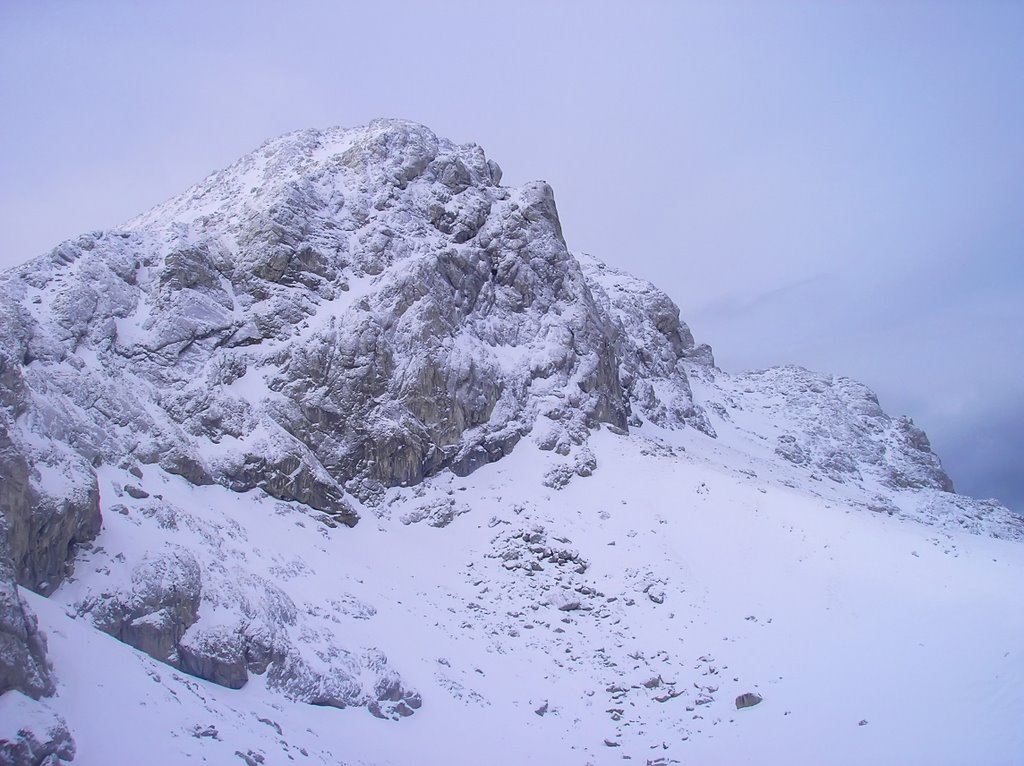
(342, 456)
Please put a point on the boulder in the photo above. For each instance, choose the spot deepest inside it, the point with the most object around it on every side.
(162, 602)
(748, 699)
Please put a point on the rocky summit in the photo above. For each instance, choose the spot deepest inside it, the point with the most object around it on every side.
(345, 435)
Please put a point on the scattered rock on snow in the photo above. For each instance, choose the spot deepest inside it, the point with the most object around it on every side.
(748, 699)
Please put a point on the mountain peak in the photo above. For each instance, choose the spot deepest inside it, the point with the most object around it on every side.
(345, 325)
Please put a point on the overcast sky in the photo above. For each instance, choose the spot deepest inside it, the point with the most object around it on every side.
(838, 185)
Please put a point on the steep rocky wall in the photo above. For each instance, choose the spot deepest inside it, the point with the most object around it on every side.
(339, 312)
(23, 663)
(654, 348)
(42, 526)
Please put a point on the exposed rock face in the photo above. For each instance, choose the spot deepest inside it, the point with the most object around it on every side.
(216, 654)
(338, 311)
(835, 426)
(161, 605)
(24, 667)
(654, 348)
(47, 511)
(23, 663)
(748, 699)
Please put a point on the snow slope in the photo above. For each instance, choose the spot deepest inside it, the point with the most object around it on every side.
(710, 582)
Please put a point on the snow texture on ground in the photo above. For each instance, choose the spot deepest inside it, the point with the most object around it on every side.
(619, 615)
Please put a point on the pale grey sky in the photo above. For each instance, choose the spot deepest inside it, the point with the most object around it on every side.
(838, 185)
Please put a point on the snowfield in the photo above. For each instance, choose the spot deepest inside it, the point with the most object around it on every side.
(702, 583)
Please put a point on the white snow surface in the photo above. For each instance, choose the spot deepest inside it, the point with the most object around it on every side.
(703, 580)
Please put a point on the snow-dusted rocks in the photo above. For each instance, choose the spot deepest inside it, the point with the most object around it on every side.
(32, 734)
(362, 432)
(50, 503)
(160, 604)
(200, 597)
(344, 310)
(23, 663)
(653, 347)
(834, 432)
(836, 427)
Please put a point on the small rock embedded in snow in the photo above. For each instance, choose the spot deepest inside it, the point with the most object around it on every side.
(748, 699)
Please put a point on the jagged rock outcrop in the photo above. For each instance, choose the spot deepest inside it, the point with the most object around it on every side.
(338, 312)
(654, 348)
(835, 426)
(160, 605)
(24, 666)
(47, 509)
